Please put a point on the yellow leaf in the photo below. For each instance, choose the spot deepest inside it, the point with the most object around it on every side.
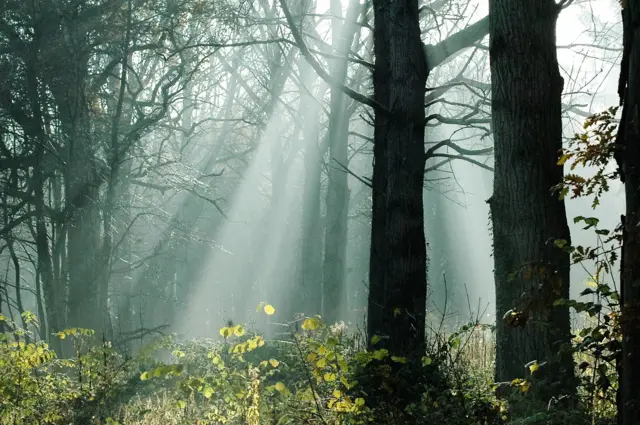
(322, 363)
(207, 392)
(239, 330)
(330, 377)
(564, 158)
(337, 393)
(274, 362)
(398, 359)
(269, 309)
(280, 387)
(375, 339)
(311, 357)
(311, 324)
(225, 332)
(359, 401)
(253, 343)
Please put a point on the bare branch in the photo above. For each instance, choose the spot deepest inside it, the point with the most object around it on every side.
(450, 144)
(464, 158)
(318, 68)
(437, 54)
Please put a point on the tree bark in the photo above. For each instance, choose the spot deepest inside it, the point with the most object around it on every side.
(628, 158)
(397, 277)
(530, 271)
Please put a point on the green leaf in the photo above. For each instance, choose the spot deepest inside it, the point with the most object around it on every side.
(207, 392)
(560, 242)
(380, 354)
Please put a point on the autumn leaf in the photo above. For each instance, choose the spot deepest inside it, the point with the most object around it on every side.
(311, 324)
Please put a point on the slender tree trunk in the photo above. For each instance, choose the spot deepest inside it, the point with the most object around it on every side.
(45, 278)
(397, 277)
(335, 253)
(58, 251)
(628, 157)
(115, 154)
(530, 271)
(308, 299)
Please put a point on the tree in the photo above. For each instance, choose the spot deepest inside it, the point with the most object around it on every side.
(531, 272)
(335, 252)
(397, 273)
(628, 158)
(397, 276)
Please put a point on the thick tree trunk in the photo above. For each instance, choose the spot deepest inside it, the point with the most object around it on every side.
(82, 188)
(397, 277)
(530, 271)
(628, 157)
(82, 181)
(82, 191)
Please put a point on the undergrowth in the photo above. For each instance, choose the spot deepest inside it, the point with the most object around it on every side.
(319, 374)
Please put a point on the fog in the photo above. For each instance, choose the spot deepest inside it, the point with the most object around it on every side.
(215, 219)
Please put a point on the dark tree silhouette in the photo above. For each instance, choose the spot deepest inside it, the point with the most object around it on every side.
(531, 272)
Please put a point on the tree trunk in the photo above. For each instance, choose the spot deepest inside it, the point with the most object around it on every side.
(335, 252)
(531, 272)
(397, 277)
(82, 191)
(628, 157)
(308, 297)
(45, 278)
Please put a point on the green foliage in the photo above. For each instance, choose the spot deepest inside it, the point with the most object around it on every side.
(36, 387)
(592, 148)
(598, 344)
(319, 374)
(316, 375)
